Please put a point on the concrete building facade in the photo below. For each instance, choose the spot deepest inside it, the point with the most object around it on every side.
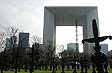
(67, 16)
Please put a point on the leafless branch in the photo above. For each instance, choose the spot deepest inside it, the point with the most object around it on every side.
(11, 31)
(2, 40)
(36, 39)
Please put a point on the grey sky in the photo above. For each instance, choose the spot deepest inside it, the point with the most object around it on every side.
(28, 14)
(25, 14)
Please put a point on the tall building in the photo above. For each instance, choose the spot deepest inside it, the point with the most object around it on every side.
(73, 47)
(13, 41)
(23, 40)
(104, 48)
(8, 43)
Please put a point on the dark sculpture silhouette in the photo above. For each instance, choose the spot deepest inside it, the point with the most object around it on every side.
(16, 60)
(31, 68)
(63, 65)
(3, 60)
(95, 39)
(74, 71)
(84, 65)
(98, 59)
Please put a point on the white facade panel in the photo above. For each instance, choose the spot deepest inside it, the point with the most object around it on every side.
(49, 28)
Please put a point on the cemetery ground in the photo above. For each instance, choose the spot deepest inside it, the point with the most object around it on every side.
(47, 71)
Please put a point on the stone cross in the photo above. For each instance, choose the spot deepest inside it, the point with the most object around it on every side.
(98, 58)
(3, 57)
(96, 39)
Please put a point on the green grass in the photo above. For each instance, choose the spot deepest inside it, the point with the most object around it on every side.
(37, 71)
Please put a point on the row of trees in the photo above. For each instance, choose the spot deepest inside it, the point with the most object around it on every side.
(34, 57)
(10, 32)
(13, 56)
(41, 58)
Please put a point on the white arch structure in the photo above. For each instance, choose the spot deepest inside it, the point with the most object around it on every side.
(66, 16)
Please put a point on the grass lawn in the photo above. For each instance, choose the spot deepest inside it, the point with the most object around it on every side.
(37, 71)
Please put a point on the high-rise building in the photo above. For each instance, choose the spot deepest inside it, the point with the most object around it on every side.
(23, 40)
(73, 47)
(104, 48)
(8, 43)
(13, 41)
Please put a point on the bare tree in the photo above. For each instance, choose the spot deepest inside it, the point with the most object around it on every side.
(11, 34)
(36, 39)
(2, 54)
(38, 52)
(11, 31)
(60, 48)
(2, 41)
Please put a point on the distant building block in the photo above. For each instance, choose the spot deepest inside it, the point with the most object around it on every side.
(23, 40)
(73, 47)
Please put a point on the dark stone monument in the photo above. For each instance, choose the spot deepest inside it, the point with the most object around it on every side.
(53, 61)
(74, 64)
(16, 59)
(99, 59)
(68, 67)
(84, 65)
(62, 65)
(26, 66)
(32, 59)
(3, 59)
(52, 58)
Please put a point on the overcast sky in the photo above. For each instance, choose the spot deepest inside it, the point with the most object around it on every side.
(28, 15)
